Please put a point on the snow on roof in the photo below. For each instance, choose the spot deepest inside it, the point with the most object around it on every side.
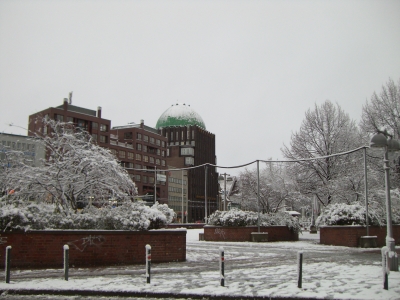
(180, 114)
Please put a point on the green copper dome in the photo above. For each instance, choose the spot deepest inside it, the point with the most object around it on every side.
(180, 115)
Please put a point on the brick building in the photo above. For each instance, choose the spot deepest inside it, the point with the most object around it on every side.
(190, 144)
(135, 146)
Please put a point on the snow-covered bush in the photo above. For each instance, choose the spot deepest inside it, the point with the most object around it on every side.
(237, 217)
(348, 214)
(128, 216)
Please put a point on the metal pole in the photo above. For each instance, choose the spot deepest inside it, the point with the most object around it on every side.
(205, 195)
(182, 216)
(148, 263)
(258, 194)
(155, 185)
(66, 261)
(222, 266)
(390, 243)
(224, 191)
(366, 190)
(8, 263)
(299, 269)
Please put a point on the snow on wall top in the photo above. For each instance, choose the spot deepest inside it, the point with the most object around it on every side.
(180, 114)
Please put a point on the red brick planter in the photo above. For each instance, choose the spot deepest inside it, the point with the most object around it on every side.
(349, 236)
(44, 249)
(243, 234)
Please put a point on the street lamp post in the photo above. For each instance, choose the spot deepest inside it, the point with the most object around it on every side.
(380, 140)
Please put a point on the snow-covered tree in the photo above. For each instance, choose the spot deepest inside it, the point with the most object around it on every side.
(76, 169)
(276, 188)
(327, 130)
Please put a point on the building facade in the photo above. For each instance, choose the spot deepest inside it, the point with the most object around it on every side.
(32, 149)
(139, 148)
(190, 145)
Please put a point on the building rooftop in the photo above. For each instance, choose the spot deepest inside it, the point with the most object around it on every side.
(180, 114)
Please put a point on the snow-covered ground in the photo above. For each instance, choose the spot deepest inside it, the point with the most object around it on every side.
(251, 270)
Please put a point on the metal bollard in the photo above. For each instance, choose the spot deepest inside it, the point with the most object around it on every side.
(385, 267)
(8, 263)
(148, 262)
(66, 261)
(299, 268)
(222, 266)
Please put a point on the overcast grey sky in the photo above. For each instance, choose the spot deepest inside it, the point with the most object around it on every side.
(251, 69)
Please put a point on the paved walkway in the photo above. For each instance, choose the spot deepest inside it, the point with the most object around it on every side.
(253, 271)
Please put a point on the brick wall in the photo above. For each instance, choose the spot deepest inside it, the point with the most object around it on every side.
(243, 234)
(44, 249)
(349, 236)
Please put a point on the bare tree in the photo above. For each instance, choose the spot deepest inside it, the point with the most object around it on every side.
(276, 188)
(326, 130)
(75, 169)
(383, 111)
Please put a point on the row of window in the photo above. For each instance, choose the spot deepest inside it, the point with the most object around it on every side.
(176, 135)
(145, 179)
(176, 190)
(139, 157)
(145, 138)
(19, 146)
(176, 180)
(175, 199)
(82, 123)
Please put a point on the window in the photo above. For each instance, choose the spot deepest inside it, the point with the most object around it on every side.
(137, 166)
(138, 136)
(157, 161)
(59, 118)
(94, 137)
(71, 120)
(158, 151)
(188, 134)
(130, 155)
(145, 158)
(151, 160)
(172, 136)
(128, 165)
(113, 151)
(163, 144)
(177, 135)
(187, 151)
(151, 179)
(158, 142)
(18, 146)
(138, 156)
(151, 140)
(167, 152)
(189, 161)
(137, 177)
(144, 179)
(103, 138)
(182, 137)
(45, 129)
(23, 146)
(139, 147)
(103, 127)
(163, 153)
(144, 148)
(163, 163)
(122, 154)
(145, 138)
(128, 135)
(95, 125)
(193, 143)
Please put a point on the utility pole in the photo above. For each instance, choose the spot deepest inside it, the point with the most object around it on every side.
(225, 196)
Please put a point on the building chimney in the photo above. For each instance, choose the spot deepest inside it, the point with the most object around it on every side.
(141, 123)
(65, 104)
(99, 111)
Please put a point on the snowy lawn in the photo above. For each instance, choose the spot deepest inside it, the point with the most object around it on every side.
(256, 270)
